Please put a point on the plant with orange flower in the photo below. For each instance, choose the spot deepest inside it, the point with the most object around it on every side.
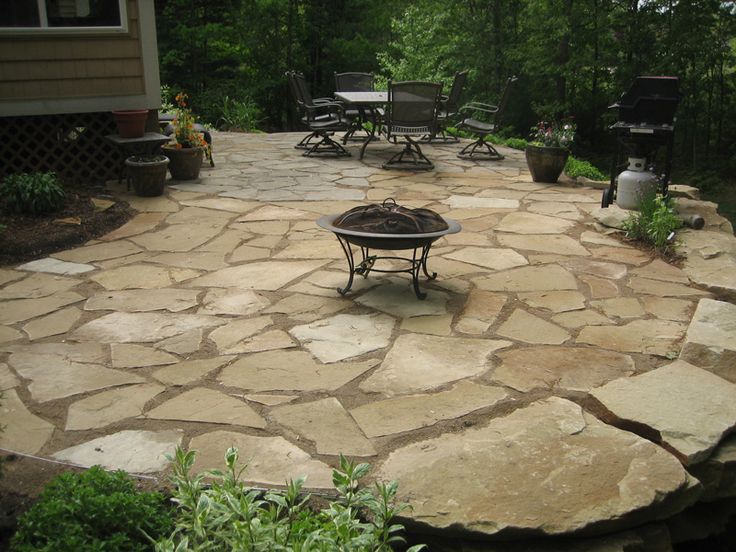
(185, 135)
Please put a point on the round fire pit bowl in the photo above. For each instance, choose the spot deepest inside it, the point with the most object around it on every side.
(420, 243)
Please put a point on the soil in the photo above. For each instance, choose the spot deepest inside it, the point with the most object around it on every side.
(25, 237)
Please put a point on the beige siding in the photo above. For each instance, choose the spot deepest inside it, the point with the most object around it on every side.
(57, 67)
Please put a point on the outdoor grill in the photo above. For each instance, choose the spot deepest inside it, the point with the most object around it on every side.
(388, 226)
(645, 126)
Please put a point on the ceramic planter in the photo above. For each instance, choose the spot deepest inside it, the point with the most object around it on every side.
(546, 163)
(147, 173)
(184, 162)
(131, 123)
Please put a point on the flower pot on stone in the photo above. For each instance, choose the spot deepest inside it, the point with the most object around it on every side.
(546, 163)
(147, 173)
(184, 163)
(131, 123)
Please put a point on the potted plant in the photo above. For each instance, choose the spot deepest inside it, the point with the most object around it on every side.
(186, 153)
(131, 123)
(147, 173)
(547, 151)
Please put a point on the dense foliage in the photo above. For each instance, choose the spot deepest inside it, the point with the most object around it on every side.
(574, 57)
(227, 515)
(92, 511)
(654, 223)
(32, 194)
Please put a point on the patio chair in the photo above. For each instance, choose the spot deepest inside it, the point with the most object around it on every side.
(356, 82)
(306, 142)
(480, 128)
(449, 109)
(411, 111)
(322, 117)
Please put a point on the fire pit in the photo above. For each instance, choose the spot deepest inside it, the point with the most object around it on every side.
(388, 227)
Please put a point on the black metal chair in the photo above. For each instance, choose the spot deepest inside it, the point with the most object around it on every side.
(480, 128)
(449, 110)
(411, 111)
(357, 82)
(322, 117)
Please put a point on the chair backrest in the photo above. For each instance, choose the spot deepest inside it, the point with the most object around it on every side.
(452, 104)
(505, 95)
(354, 82)
(413, 105)
(305, 96)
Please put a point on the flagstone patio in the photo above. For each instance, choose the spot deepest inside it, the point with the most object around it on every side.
(555, 382)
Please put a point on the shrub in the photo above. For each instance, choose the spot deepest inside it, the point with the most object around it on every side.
(578, 167)
(654, 223)
(33, 194)
(242, 115)
(226, 515)
(93, 510)
(516, 143)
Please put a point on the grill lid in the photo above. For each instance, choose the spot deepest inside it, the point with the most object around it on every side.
(390, 218)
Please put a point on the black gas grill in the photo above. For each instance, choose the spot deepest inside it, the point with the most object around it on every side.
(645, 127)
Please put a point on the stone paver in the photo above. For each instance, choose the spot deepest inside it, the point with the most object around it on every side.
(215, 310)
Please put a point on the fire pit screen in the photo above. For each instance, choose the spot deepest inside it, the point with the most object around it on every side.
(388, 226)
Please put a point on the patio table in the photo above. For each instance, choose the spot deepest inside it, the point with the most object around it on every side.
(363, 100)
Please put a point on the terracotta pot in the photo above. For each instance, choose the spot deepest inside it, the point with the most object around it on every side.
(184, 162)
(546, 163)
(147, 173)
(131, 122)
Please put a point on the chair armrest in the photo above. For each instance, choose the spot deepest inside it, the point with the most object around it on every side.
(478, 106)
(330, 106)
(323, 100)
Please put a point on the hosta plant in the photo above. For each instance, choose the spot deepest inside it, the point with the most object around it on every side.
(32, 194)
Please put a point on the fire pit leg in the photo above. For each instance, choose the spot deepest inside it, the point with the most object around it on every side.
(415, 266)
(351, 264)
(425, 256)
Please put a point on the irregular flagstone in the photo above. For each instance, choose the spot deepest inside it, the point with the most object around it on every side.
(232, 301)
(600, 288)
(653, 337)
(249, 253)
(143, 300)
(325, 283)
(595, 238)
(141, 276)
(182, 344)
(7, 378)
(307, 308)
(620, 307)
(53, 377)
(529, 278)
(37, 285)
(398, 299)
(109, 407)
(270, 227)
(290, 370)
(418, 363)
(269, 275)
(160, 204)
(545, 195)
(142, 222)
(9, 276)
(93, 353)
(660, 270)
(272, 212)
(190, 371)
(489, 257)
(179, 237)
(222, 204)
(55, 323)
(198, 260)
(345, 335)
(718, 472)
(557, 244)
(612, 216)
(435, 325)
(668, 308)
(531, 223)
(626, 255)
(127, 355)
(687, 408)
(556, 209)
(312, 249)
(271, 460)
(462, 202)
(710, 261)
(199, 215)
(578, 319)
(135, 451)
(9, 334)
(25, 309)
(22, 431)
(710, 342)
(526, 327)
(224, 243)
(326, 423)
(480, 312)
(270, 400)
(467, 238)
(121, 327)
(547, 469)
(228, 337)
(596, 268)
(561, 368)
(416, 411)
(55, 266)
(662, 289)
(447, 268)
(99, 252)
(555, 301)
(207, 405)
(267, 341)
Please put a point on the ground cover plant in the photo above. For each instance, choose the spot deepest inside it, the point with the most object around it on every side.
(227, 515)
(92, 511)
(32, 194)
(655, 223)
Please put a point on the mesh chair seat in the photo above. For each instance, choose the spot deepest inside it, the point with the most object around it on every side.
(474, 125)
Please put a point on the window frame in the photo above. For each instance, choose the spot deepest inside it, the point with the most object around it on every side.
(45, 30)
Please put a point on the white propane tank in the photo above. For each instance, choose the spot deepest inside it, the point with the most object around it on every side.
(635, 183)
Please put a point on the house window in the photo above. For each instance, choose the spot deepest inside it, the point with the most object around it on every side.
(62, 15)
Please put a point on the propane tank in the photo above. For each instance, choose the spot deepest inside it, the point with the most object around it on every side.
(634, 184)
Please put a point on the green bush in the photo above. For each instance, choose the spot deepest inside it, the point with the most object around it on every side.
(578, 167)
(654, 223)
(226, 515)
(92, 511)
(516, 143)
(242, 115)
(32, 194)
